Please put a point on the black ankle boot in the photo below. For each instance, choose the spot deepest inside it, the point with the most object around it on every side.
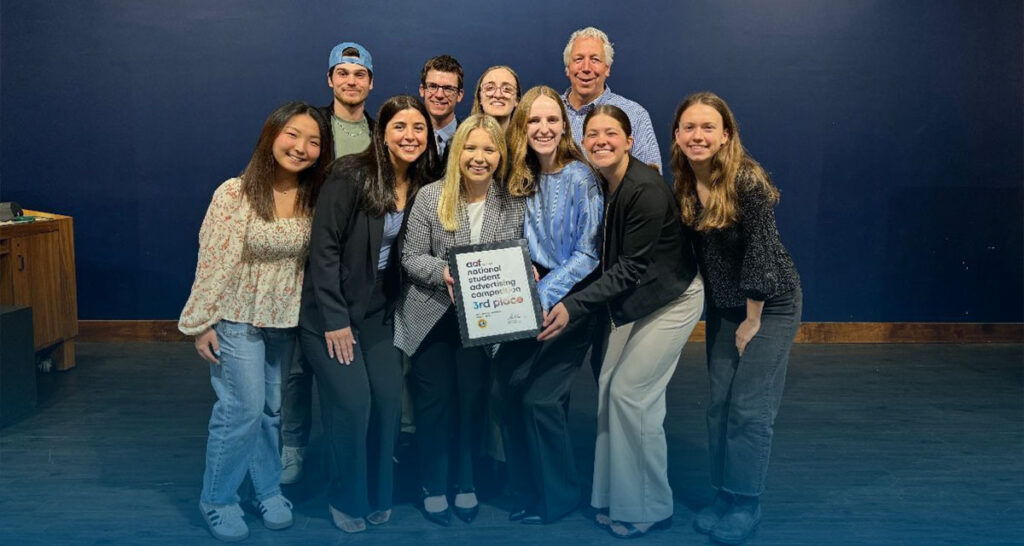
(706, 519)
(739, 523)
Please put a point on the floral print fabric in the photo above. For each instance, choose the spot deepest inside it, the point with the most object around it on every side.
(249, 270)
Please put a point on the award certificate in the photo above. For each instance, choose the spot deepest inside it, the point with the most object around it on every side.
(495, 292)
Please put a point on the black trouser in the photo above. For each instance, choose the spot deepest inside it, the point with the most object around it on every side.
(450, 395)
(746, 391)
(297, 402)
(361, 405)
(531, 395)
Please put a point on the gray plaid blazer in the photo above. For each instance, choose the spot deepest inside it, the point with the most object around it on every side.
(425, 255)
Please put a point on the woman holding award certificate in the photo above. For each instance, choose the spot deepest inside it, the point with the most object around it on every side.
(650, 296)
(564, 205)
(450, 382)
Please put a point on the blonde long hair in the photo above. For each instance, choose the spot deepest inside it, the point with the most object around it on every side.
(453, 188)
(523, 164)
(731, 159)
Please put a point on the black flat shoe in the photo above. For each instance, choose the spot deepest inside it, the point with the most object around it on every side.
(633, 532)
(443, 518)
(518, 514)
(467, 514)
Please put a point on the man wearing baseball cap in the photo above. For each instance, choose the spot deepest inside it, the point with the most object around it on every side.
(350, 76)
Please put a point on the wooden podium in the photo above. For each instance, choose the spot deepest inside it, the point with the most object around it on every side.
(37, 269)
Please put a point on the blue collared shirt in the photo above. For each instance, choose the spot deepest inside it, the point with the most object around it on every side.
(563, 222)
(392, 225)
(645, 144)
(444, 135)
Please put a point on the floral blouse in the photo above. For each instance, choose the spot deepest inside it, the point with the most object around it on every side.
(249, 270)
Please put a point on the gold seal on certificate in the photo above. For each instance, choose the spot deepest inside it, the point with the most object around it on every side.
(495, 292)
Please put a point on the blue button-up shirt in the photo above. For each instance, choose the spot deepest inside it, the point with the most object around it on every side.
(444, 136)
(563, 222)
(645, 144)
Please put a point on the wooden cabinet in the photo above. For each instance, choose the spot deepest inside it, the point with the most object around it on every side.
(37, 268)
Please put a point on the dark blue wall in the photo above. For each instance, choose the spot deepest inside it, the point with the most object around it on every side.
(894, 129)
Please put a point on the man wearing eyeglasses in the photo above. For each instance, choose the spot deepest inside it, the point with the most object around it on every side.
(588, 63)
(441, 89)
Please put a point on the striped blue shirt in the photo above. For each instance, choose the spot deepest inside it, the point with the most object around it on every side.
(563, 222)
(645, 144)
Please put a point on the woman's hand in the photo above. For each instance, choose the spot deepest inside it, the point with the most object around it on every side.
(207, 346)
(340, 345)
(554, 322)
(449, 282)
(746, 332)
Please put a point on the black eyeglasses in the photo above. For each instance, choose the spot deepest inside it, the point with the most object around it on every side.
(449, 90)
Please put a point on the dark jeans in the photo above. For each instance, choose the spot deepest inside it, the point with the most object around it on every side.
(531, 397)
(361, 405)
(746, 391)
(297, 402)
(450, 395)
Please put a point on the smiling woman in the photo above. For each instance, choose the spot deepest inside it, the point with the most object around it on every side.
(346, 328)
(564, 206)
(464, 207)
(754, 305)
(650, 289)
(497, 94)
(257, 227)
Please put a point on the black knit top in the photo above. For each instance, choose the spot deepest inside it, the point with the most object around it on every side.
(745, 259)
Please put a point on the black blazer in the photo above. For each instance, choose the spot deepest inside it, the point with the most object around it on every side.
(647, 258)
(344, 250)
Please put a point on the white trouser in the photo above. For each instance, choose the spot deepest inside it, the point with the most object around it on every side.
(631, 455)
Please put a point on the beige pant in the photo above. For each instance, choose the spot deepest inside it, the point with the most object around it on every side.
(631, 456)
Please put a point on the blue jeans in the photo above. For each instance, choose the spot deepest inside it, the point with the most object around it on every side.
(246, 419)
(746, 391)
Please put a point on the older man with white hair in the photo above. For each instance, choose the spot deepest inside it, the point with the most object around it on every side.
(588, 63)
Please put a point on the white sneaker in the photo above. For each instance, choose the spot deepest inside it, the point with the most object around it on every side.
(291, 464)
(225, 521)
(275, 511)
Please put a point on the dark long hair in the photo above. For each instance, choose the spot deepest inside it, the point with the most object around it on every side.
(375, 162)
(258, 176)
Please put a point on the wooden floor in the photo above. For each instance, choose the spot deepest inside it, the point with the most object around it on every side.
(875, 444)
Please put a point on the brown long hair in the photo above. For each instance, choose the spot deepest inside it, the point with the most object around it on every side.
(523, 165)
(478, 107)
(727, 164)
(258, 176)
(379, 183)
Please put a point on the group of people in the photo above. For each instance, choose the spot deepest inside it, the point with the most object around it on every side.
(336, 236)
